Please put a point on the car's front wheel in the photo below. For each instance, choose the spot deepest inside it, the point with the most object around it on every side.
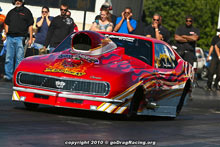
(31, 106)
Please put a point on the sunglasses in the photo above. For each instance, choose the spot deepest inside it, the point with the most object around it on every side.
(63, 9)
(127, 12)
(44, 12)
(156, 19)
(103, 14)
(188, 20)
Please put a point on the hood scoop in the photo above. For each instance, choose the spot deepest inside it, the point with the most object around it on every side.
(91, 43)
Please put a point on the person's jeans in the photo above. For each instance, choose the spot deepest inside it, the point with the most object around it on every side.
(14, 55)
(37, 46)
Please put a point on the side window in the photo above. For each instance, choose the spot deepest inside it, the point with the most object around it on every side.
(142, 50)
(164, 57)
(172, 57)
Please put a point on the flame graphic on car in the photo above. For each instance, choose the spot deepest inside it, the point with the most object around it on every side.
(69, 67)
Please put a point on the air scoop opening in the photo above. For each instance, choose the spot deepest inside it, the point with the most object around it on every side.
(82, 42)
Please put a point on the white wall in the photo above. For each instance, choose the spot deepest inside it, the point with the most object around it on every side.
(76, 15)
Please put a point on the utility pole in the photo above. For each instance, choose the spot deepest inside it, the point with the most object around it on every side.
(85, 11)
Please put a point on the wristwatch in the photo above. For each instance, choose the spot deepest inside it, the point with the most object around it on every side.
(219, 57)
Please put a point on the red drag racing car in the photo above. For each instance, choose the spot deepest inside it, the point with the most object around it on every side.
(108, 72)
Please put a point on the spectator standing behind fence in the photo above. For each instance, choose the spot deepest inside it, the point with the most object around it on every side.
(107, 6)
(2, 39)
(68, 14)
(156, 30)
(186, 37)
(61, 26)
(104, 23)
(215, 64)
(42, 24)
(19, 21)
(125, 23)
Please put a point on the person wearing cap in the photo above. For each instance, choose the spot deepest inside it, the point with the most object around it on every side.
(107, 6)
(125, 23)
(214, 67)
(68, 14)
(186, 37)
(19, 23)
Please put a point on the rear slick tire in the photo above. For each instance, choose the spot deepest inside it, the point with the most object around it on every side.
(182, 99)
(135, 102)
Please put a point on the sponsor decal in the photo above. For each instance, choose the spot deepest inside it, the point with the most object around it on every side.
(22, 14)
(79, 57)
(120, 38)
(192, 33)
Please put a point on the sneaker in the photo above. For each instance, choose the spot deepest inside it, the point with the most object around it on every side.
(208, 88)
(1, 76)
(214, 88)
(217, 88)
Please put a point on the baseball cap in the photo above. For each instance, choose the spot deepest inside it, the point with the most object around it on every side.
(106, 5)
(19, 0)
(189, 17)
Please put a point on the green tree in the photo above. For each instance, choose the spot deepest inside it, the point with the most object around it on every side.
(173, 12)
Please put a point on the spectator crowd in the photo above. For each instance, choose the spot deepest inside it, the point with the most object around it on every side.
(52, 30)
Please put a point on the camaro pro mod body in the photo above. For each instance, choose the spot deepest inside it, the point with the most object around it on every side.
(107, 72)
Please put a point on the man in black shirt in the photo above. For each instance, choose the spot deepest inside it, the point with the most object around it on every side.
(61, 26)
(156, 30)
(186, 37)
(19, 21)
(215, 63)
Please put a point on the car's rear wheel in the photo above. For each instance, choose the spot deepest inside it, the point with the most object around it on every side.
(135, 102)
(182, 99)
(31, 106)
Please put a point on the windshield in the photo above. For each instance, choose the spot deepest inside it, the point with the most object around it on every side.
(141, 49)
